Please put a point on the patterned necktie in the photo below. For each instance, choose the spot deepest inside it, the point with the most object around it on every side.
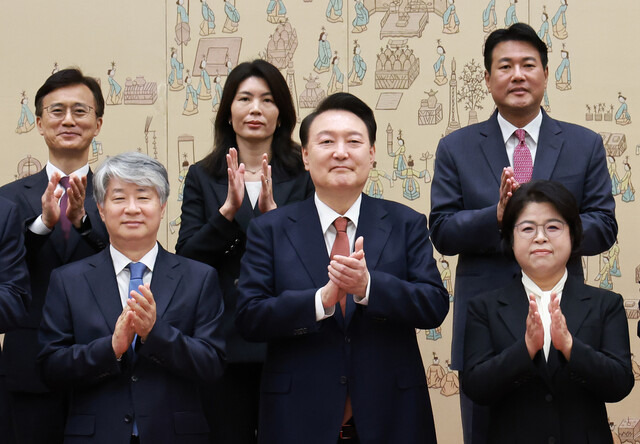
(341, 247)
(65, 223)
(522, 162)
(137, 270)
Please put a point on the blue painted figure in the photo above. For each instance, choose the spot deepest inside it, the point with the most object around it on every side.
(626, 187)
(26, 122)
(208, 19)
(563, 73)
(613, 174)
(324, 54)
(510, 17)
(204, 88)
(190, 106)
(614, 256)
(276, 15)
(183, 17)
(115, 90)
(622, 115)
(543, 33)
(233, 17)
(433, 334)
(559, 22)
(373, 187)
(439, 68)
(489, 17)
(334, 11)
(175, 76)
(399, 157)
(362, 17)
(217, 94)
(358, 69)
(337, 78)
(450, 21)
(410, 185)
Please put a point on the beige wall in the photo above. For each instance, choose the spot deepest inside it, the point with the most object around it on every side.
(138, 37)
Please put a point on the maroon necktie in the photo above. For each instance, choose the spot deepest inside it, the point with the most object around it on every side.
(341, 247)
(522, 163)
(65, 223)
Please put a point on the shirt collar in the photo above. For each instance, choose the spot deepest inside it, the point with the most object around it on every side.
(80, 172)
(532, 128)
(327, 215)
(532, 287)
(120, 261)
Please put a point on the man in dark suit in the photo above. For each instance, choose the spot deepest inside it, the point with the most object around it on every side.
(342, 359)
(14, 291)
(478, 167)
(61, 225)
(133, 348)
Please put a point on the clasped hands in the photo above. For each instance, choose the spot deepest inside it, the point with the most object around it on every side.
(560, 336)
(51, 200)
(137, 318)
(347, 275)
(508, 185)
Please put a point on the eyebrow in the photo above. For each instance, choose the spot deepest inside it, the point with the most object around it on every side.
(545, 222)
(249, 93)
(509, 59)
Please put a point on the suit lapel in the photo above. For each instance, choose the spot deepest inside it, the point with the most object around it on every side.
(166, 276)
(513, 309)
(492, 146)
(104, 287)
(93, 214)
(575, 304)
(550, 143)
(245, 212)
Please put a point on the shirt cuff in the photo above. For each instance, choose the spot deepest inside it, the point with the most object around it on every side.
(38, 227)
(365, 299)
(321, 312)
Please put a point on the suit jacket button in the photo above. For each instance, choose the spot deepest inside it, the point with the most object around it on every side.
(343, 380)
(134, 378)
(347, 339)
(548, 397)
(128, 419)
(235, 282)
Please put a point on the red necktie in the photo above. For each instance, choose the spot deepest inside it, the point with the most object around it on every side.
(65, 223)
(522, 163)
(341, 247)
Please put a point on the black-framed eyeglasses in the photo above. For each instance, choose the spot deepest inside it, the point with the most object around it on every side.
(79, 111)
(529, 230)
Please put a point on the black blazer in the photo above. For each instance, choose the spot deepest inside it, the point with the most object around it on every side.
(44, 253)
(207, 236)
(532, 400)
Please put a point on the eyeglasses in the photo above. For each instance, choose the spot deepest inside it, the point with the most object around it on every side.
(529, 230)
(79, 111)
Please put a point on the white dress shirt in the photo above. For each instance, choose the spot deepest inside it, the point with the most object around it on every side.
(123, 275)
(532, 130)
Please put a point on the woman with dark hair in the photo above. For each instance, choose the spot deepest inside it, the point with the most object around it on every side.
(254, 167)
(547, 351)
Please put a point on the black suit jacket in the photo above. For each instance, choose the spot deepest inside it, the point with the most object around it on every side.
(160, 386)
(207, 236)
(44, 253)
(532, 400)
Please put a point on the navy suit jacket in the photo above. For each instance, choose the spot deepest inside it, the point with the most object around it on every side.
(207, 236)
(532, 400)
(372, 352)
(465, 193)
(14, 276)
(159, 387)
(44, 253)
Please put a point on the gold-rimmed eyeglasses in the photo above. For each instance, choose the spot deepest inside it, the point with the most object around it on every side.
(79, 111)
(529, 230)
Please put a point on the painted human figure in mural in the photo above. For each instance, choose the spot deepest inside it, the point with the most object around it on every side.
(115, 90)
(276, 11)
(183, 16)
(233, 17)
(204, 88)
(175, 76)
(433, 334)
(559, 21)
(217, 93)
(545, 101)
(613, 173)
(410, 185)
(26, 121)
(399, 157)
(435, 373)
(358, 67)
(324, 54)
(614, 259)
(439, 68)
(362, 17)
(510, 17)
(489, 17)
(543, 32)
(450, 383)
(334, 11)
(337, 77)
(181, 177)
(622, 115)
(626, 187)
(614, 436)
(445, 275)
(208, 24)
(563, 73)
(190, 106)
(604, 275)
(373, 187)
(450, 21)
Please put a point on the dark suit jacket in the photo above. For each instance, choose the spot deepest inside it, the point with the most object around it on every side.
(44, 253)
(373, 352)
(465, 193)
(207, 236)
(532, 400)
(14, 276)
(160, 386)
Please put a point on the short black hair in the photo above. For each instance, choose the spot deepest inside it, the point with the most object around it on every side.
(344, 102)
(542, 191)
(70, 77)
(520, 32)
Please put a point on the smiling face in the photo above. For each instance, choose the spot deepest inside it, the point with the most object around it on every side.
(517, 81)
(254, 114)
(338, 154)
(132, 215)
(69, 136)
(543, 257)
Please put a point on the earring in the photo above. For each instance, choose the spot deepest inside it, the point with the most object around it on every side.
(229, 122)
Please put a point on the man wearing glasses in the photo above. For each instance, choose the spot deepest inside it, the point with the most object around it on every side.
(62, 225)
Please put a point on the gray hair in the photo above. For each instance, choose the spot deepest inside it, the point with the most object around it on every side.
(132, 167)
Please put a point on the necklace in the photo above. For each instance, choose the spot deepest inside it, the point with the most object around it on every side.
(252, 171)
